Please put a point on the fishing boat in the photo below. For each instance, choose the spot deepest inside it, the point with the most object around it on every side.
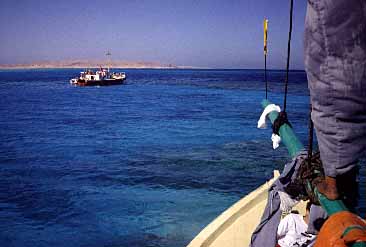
(234, 227)
(101, 77)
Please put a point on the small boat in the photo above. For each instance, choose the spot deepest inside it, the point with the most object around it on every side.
(234, 227)
(102, 77)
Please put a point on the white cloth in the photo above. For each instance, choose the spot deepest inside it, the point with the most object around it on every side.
(291, 231)
(287, 203)
(276, 139)
(262, 120)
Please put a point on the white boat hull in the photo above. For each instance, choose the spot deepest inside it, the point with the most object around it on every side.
(234, 227)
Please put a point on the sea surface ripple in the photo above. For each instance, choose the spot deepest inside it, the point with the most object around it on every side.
(147, 163)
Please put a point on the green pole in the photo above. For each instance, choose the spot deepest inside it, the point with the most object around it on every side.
(288, 136)
(330, 206)
(294, 146)
(359, 244)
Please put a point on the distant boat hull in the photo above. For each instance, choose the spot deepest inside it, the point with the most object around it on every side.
(102, 77)
(106, 82)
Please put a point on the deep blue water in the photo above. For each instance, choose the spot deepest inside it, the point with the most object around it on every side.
(148, 163)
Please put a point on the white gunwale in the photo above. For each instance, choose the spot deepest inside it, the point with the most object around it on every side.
(235, 226)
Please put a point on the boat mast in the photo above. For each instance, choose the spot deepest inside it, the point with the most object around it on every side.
(108, 54)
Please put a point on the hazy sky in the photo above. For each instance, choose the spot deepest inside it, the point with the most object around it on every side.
(204, 33)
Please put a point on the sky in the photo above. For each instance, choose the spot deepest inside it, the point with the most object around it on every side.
(199, 33)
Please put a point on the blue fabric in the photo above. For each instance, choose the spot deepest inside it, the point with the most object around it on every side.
(335, 62)
(316, 219)
(266, 232)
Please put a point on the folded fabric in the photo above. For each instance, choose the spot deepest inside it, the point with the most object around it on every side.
(276, 139)
(266, 232)
(262, 120)
(287, 203)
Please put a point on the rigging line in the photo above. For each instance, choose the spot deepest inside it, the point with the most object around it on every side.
(265, 49)
(288, 54)
(265, 74)
(311, 135)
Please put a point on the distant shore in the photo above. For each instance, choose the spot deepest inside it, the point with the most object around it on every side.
(75, 64)
(83, 64)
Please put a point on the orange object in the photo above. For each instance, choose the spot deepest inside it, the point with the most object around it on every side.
(341, 230)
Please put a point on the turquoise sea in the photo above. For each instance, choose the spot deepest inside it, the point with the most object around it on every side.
(147, 163)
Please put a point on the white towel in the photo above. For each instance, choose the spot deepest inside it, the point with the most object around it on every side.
(276, 139)
(262, 120)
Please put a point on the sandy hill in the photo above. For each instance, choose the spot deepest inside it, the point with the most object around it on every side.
(88, 64)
